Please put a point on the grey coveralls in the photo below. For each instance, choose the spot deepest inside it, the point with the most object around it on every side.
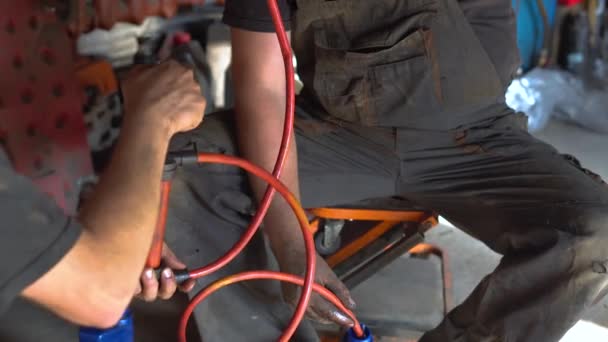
(406, 98)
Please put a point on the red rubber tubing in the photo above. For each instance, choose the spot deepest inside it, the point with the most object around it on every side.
(282, 156)
(309, 276)
(256, 275)
(156, 251)
(274, 185)
(307, 282)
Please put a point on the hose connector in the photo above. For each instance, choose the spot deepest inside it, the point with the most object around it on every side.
(181, 276)
(184, 157)
(351, 336)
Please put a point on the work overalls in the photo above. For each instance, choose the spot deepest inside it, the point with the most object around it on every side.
(406, 98)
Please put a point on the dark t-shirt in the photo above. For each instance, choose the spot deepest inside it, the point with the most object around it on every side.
(253, 15)
(34, 233)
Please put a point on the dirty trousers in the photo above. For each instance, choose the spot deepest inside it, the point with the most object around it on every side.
(469, 158)
(542, 211)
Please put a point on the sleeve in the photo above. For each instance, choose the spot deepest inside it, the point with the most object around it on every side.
(34, 233)
(253, 15)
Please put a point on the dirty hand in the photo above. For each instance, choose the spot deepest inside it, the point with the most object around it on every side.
(166, 93)
(149, 289)
(292, 261)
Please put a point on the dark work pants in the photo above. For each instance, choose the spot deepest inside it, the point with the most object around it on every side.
(542, 212)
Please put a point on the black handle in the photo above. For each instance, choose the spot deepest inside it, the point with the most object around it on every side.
(181, 276)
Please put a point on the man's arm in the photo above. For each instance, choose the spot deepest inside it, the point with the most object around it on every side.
(259, 84)
(95, 281)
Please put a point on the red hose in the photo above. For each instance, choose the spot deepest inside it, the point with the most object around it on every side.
(308, 241)
(274, 184)
(156, 251)
(282, 156)
(256, 275)
(307, 283)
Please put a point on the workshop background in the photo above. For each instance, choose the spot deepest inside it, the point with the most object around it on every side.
(562, 86)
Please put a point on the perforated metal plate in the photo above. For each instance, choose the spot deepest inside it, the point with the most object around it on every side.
(41, 122)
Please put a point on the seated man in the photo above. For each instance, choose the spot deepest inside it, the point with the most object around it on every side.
(86, 269)
(401, 98)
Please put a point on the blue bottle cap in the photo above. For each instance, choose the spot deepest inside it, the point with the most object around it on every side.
(352, 337)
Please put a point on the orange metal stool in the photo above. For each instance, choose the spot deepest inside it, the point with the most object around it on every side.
(374, 238)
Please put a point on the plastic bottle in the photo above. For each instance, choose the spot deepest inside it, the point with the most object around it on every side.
(122, 332)
(350, 335)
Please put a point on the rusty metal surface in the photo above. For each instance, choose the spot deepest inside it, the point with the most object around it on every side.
(41, 122)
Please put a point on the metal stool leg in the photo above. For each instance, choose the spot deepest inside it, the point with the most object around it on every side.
(426, 249)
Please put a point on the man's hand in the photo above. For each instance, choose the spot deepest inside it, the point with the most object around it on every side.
(320, 310)
(149, 289)
(119, 220)
(167, 93)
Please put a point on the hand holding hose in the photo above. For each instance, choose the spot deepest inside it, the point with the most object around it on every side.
(164, 285)
(291, 261)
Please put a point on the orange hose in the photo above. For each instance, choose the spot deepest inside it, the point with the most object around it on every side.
(256, 275)
(307, 283)
(302, 219)
(274, 185)
(156, 250)
(282, 156)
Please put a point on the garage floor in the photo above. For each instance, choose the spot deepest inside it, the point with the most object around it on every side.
(417, 299)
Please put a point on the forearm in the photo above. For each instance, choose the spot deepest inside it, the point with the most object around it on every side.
(96, 279)
(260, 114)
(122, 213)
(259, 139)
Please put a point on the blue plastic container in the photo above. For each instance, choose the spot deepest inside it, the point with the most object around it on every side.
(530, 29)
(122, 332)
(351, 337)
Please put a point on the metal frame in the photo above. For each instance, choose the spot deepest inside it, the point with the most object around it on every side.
(397, 232)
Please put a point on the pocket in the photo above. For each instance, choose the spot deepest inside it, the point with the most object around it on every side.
(408, 88)
(344, 95)
(379, 88)
(365, 26)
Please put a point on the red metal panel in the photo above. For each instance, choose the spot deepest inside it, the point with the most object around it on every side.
(41, 122)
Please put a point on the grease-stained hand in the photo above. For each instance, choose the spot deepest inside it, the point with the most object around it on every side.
(149, 288)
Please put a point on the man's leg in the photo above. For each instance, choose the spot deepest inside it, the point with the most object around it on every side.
(211, 206)
(342, 163)
(546, 215)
